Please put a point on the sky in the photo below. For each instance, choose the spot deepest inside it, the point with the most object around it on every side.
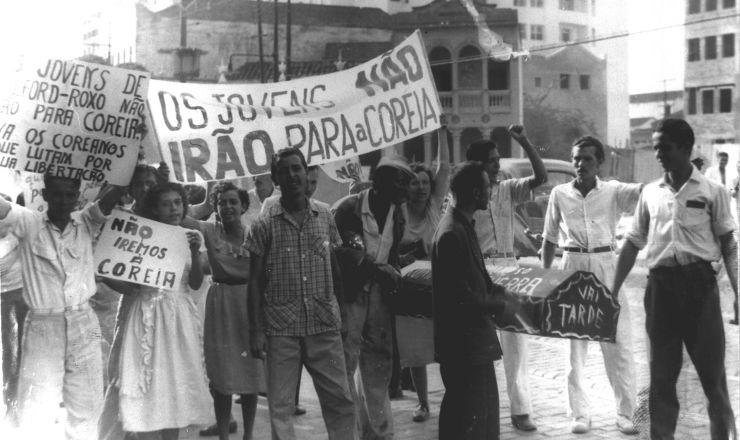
(54, 27)
(656, 56)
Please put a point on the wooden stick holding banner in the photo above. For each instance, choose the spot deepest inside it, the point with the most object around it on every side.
(141, 251)
(225, 131)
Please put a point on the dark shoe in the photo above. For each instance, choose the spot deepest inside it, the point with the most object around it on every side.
(299, 410)
(212, 430)
(421, 414)
(733, 321)
(522, 422)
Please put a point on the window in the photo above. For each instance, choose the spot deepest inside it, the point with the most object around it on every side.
(469, 69)
(728, 45)
(564, 81)
(694, 51)
(498, 75)
(710, 48)
(725, 100)
(728, 3)
(707, 101)
(694, 6)
(691, 92)
(439, 58)
(520, 2)
(585, 81)
(538, 81)
(711, 5)
(568, 5)
(537, 3)
(536, 32)
(522, 31)
(566, 34)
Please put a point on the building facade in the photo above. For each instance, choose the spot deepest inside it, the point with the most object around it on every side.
(712, 68)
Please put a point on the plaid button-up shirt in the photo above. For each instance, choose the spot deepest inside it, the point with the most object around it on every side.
(299, 295)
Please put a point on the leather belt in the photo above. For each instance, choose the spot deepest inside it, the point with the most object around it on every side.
(231, 282)
(595, 250)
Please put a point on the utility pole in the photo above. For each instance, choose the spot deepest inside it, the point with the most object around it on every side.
(666, 107)
(259, 41)
(288, 38)
(275, 47)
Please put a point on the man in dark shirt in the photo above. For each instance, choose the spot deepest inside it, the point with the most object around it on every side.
(465, 299)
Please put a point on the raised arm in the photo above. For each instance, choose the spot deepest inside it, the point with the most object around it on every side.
(109, 196)
(4, 208)
(196, 270)
(540, 172)
(442, 173)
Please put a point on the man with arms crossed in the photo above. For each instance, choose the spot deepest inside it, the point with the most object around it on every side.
(684, 221)
(582, 217)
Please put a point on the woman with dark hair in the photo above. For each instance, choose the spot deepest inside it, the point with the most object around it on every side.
(230, 365)
(423, 212)
(162, 378)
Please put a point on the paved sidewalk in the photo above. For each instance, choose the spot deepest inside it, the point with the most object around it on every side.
(548, 370)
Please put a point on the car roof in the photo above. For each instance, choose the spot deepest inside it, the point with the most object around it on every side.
(521, 167)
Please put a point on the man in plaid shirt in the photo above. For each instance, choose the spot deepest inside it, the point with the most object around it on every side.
(294, 312)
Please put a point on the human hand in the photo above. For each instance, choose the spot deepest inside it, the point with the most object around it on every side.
(517, 132)
(194, 240)
(257, 344)
(163, 172)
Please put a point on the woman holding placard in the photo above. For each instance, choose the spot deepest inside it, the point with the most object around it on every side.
(230, 365)
(163, 383)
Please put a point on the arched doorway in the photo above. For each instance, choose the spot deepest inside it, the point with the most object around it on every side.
(441, 62)
(469, 69)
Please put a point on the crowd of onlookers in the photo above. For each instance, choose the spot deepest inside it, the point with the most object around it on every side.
(293, 283)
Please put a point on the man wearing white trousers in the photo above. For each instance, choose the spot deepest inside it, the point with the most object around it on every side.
(581, 217)
(495, 230)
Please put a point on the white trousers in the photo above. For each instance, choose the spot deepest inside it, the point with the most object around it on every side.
(515, 348)
(618, 361)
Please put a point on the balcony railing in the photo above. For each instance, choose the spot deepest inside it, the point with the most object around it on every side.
(476, 101)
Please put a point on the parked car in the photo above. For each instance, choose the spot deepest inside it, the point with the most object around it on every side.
(529, 216)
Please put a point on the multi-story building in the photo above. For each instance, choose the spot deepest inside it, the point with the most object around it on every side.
(712, 69)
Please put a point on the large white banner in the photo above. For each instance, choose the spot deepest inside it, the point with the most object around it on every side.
(224, 131)
(141, 251)
(72, 119)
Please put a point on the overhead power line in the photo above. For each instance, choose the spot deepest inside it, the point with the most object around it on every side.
(621, 34)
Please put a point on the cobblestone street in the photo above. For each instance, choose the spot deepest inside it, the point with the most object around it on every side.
(548, 370)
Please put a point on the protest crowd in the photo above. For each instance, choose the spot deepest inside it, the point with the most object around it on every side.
(251, 287)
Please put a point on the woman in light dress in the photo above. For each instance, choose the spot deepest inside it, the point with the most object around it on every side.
(423, 212)
(163, 384)
(230, 365)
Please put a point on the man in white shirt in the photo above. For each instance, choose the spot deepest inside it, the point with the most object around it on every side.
(719, 172)
(61, 345)
(581, 217)
(683, 220)
(495, 230)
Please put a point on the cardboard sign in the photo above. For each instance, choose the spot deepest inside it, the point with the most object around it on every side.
(555, 303)
(141, 251)
(224, 131)
(72, 119)
(33, 183)
(559, 303)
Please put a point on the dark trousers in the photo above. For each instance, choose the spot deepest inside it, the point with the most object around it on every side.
(682, 307)
(470, 409)
(14, 312)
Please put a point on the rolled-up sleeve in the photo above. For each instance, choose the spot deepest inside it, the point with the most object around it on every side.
(722, 221)
(257, 237)
(519, 188)
(16, 221)
(638, 233)
(627, 196)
